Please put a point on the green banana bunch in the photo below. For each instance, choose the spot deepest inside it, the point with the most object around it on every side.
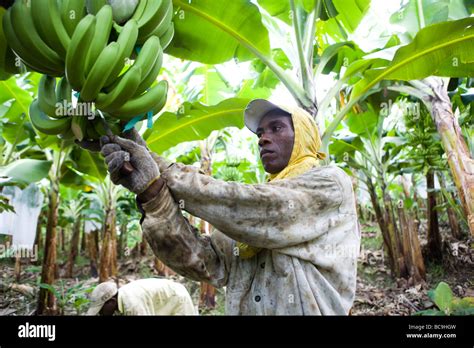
(49, 113)
(53, 113)
(122, 96)
(114, 72)
(36, 34)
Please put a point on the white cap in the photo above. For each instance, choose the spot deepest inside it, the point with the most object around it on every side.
(101, 294)
(255, 110)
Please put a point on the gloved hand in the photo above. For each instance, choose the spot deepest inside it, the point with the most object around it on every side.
(117, 151)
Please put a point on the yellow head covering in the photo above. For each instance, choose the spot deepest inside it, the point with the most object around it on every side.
(304, 156)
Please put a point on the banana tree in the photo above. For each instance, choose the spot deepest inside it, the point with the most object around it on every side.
(372, 155)
(433, 93)
(425, 155)
(431, 52)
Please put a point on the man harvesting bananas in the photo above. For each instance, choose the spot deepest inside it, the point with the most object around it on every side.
(285, 247)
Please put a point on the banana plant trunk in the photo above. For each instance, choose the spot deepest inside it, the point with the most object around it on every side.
(38, 238)
(453, 222)
(413, 257)
(434, 237)
(92, 251)
(83, 237)
(108, 255)
(399, 267)
(409, 233)
(459, 158)
(379, 215)
(46, 299)
(122, 240)
(76, 233)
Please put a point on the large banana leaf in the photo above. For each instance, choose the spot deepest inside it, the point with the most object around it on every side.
(26, 171)
(15, 100)
(212, 32)
(21, 99)
(194, 121)
(444, 49)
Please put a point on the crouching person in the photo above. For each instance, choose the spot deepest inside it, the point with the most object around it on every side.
(141, 297)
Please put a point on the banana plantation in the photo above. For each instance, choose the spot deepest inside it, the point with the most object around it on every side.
(389, 84)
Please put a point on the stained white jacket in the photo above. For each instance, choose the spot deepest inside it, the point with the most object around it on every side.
(307, 226)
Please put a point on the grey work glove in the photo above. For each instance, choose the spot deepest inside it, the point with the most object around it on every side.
(117, 151)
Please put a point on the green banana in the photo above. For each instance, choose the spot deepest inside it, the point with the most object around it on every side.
(32, 61)
(100, 72)
(46, 124)
(63, 91)
(148, 55)
(78, 126)
(148, 80)
(153, 100)
(165, 16)
(22, 22)
(149, 19)
(124, 90)
(126, 39)
(47, 21)
(104, 21)
(64, 96)
(167, 37)
(93, 6)
(8, 61)
(47, 95)
(77, 52)
(72, 11)
(139, 10)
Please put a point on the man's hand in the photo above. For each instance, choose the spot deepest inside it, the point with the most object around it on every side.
(117, 151)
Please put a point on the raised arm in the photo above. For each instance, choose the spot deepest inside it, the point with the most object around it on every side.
(271, 215)
(180, 246)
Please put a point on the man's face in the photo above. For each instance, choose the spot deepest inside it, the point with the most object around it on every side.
(276, 138)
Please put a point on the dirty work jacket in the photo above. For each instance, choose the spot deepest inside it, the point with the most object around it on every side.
(306, 225)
